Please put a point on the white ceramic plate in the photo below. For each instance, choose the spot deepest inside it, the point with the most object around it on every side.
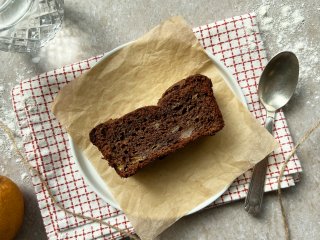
(93, 179)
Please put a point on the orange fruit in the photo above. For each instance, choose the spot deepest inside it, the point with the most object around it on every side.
(11, 209)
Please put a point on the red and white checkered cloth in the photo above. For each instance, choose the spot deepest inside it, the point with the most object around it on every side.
(235, 41)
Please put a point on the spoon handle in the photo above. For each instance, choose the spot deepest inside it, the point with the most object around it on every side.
(256, 188)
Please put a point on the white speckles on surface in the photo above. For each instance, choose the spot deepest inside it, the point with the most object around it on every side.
(252, 42)
(250, 30)
(24, 176)
(299, 46)
(290, 21)
(285, 11)
(288, 33)
(3, 170)
(266, 24)
(263, 9)
(297, 17)
(286, 19)
(36, 59)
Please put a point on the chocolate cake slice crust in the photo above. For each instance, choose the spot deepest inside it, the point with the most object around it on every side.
(185, 112)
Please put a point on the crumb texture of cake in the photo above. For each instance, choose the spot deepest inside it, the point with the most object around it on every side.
(186, 111)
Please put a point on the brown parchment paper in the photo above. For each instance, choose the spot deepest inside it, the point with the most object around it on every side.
(136, 76)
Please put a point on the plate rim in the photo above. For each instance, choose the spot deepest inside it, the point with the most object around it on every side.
(94, 180)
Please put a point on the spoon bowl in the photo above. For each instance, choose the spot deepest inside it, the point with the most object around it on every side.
(279, 80)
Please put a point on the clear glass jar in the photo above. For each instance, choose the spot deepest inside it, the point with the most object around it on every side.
(27, 25)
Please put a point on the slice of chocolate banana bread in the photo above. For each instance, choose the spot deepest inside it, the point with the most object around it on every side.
(185, 112)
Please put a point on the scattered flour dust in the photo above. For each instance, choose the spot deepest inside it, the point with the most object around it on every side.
(288, 19)
(24, 176)
(7, 116)
(285, 25)
(263, 9)
(36, 59)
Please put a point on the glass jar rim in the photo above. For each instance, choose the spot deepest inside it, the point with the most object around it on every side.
(5, 6)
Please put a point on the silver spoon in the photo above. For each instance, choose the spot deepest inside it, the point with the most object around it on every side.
(277, 85)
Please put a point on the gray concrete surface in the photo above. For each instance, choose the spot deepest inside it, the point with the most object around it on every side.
(92, 27)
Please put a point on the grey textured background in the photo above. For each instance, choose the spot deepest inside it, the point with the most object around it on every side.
(92, 27)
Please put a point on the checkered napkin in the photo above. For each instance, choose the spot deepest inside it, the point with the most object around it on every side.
(235, 41)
